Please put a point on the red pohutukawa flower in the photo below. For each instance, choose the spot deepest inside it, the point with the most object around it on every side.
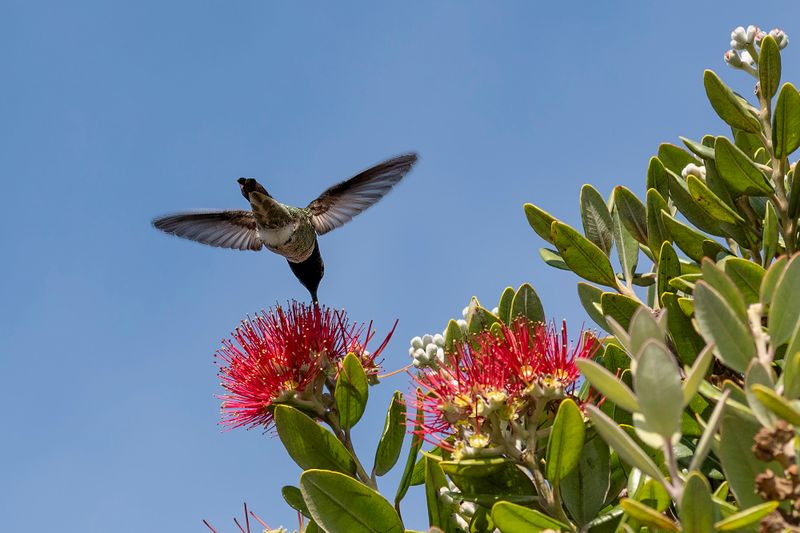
(501, 376)
(287, 355)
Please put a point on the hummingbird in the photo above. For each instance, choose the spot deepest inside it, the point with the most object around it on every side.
(287, 230)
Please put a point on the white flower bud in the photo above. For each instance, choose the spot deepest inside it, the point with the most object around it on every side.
(427, 339)
(750, 36)
(411, 351)
(780, 37)
(416, 342)
(693, 170)
(430, 351)
(465, 311)
(462, 324)
(733, 59)
(496, 311)
(738, 38)
(438, 339)
(747, 59)
(440, 355)
(468, 508)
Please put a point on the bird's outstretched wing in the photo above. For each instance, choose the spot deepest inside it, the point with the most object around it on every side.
(343, 201)
(225, 229)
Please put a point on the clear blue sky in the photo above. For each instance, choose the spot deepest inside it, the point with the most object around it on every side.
(114, 112)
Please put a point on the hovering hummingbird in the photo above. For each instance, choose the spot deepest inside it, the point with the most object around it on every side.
(286, 230)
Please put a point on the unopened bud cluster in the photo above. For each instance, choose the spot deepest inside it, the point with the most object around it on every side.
(694, 170)
(743, 43)
(427, 351)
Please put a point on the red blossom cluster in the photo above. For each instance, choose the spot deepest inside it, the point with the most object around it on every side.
(283, 354)
(502, 373)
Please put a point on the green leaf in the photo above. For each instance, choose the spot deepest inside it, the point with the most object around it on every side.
(777, 404)
(647, 515)
(565, 442)
(748, 517)
(697, 508)
(596, 218)
(684, 337)
(720, 282)
(527, 303)
(584, 489)
(687, 239)
(786, 122)
(718, 323)
(394, 432)
(784, 311)
(707, 438)
(791, 371)
(710, 202)
(738, 462)
(623, 444)
(632, 213)
(769, 67)
(309, 444)
(727, 105)
(416, 444)
(627, 247)
(771, 278)
(746, 275)
(493, 476)
(438, 512)
(644, 328)
(686, 205)
(620, 308)
(513, 518)
(698, 371)
(758, 374)
(552, 258)
(738, 171)
(653, 494)
(700, 150)
(582, 256)
(294, 498)
(656, 232)
(608, 384)
(674, 157)
(658, 388)
(769, 244)
(589, 296)
(669, 267)
(352, 391)
(749, 143)
(340, 503)
(657, 177)
(453, 335)
(541, 221)
(504, 307)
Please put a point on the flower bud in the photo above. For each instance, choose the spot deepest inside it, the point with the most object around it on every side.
(733, 59)
(462, 324)
(465, 311)
(750, 35)
(430, 351)
(738, 38)
(440, 355)
(438, 339)
(747, 59)
(693, 170)
(780, 37)
(416, 342)
(427, 339)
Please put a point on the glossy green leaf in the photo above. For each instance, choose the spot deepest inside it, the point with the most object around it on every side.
(653, 494)
(656, 232)
(698, 371)
(589, 296)
(687, 239)
(491, 476)
(623, 444)
(658, 388)
(352, 392)
(727, 104)
(657, 177)
(504, 306)
(758, 374)
(785, 308)
(608, 384)
(749, 143)
(777, 404)
(718, 323)
(684, 202)
(647, 515)
(527, 303)
(746, 275)
(738, 462)
(774, 273)
(684, 337)
(309, 444)
(438, 512)
(394, 432)
(552, 258)
(791, 370)
(582, 256)
(632, 213)
(748, 517)
(769, 241)
(619, 307)
(540, 221)
(513, 518)
(565, 442)
(769, 67)
(700, 150)
(697, 508)
(584, 489)
(669, 267)
(710, 431)
(627, 247)
(738, 171)
(675, 158)
(724, 285)
(643, 329)
(596, 218)
(453, 335)
(294, 498)
(710, 202)
(340, 503)
(416, 444)
(786, 122)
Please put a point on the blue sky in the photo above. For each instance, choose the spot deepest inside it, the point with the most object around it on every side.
(113, 113)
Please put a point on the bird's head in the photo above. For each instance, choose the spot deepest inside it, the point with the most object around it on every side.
(248, 185)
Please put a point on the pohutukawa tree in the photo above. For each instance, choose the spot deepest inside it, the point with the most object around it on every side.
(682, 415)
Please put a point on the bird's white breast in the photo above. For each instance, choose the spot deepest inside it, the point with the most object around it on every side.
(276, 237)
